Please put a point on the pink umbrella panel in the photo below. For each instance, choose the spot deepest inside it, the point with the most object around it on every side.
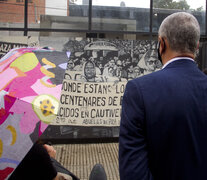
(30, 88)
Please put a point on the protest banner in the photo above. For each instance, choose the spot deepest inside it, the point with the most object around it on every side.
(10, 42)
(90, 103)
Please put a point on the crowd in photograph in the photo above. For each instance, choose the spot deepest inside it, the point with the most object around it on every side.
(125, 60)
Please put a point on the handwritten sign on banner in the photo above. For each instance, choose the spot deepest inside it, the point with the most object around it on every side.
(90, 103)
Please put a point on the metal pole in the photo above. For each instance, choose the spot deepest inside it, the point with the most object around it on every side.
(90, 15)
(151, 20)
(206, 19)
(25, 17)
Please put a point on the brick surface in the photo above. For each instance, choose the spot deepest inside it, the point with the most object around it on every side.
(13, 12)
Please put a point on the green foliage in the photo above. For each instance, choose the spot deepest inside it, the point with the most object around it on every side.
(200, 9)
(170, 4)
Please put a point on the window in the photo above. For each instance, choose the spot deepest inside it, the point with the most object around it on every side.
(127, 15)
(195, 7)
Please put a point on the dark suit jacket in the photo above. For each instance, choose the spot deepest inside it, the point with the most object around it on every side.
(163, 131)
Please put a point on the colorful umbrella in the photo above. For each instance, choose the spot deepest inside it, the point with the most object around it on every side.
(30, 88)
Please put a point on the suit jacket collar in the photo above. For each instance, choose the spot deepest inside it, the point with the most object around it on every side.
(179, 60)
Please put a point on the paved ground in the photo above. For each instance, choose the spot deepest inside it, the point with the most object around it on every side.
(80, 158)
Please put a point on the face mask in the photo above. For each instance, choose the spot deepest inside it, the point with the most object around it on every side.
(158, 52)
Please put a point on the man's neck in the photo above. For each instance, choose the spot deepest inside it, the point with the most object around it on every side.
(172, 54)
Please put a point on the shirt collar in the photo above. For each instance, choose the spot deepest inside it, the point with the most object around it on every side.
(176, 59)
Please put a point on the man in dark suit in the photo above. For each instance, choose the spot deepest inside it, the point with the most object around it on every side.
(163, 130)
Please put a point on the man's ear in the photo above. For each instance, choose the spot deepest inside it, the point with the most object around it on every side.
(162, 44)
(198, 45)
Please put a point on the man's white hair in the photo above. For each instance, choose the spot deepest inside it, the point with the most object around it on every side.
(182, 31)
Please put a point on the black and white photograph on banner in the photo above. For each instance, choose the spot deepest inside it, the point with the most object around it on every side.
(95, 79)
(101, 60)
